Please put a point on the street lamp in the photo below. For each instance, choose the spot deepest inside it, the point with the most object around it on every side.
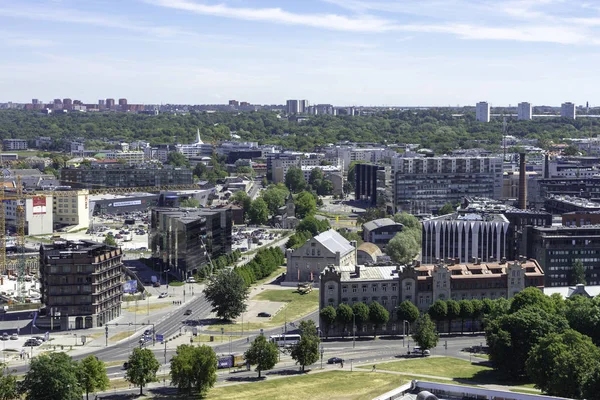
(353, 330)
(404, 330)
(322, 351)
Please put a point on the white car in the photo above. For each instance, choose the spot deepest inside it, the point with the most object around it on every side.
(191, 280)
(163, 295)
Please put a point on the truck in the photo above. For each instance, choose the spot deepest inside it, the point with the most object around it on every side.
(230, 361)
(127, 237)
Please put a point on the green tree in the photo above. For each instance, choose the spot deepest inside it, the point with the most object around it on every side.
(306, 205)
(328, 316)
(571, 150)
(477, 312)
(227, 293)
(194, 367)
(259, 212)
(52, 377)
(275, 197)
(190, 202)
(452, 312)
(110, 240)
(294, 179)
(465, 311)
(407, 311)
(306, 352)
(361, 314)
(177, 159)
(531, 297)
(313, 225)
(446, 209)
(591, 384)
(402, 248)
(425, 334)
(264, 182)
(242, 199)
(558, 363)
(92, 375)
(438, 311)
(316, 175)
(577, 274)
(325, 188)
(510, 337)
(143, 366)
(9, 389)
(344, 315)
(378, 316)
(262, 353)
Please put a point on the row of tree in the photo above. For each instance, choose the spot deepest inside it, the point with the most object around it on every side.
(266, 261)
(359, 314)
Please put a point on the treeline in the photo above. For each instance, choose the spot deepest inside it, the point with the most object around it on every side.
(436, 129)
(219, 263)
(306, 229)
(262, 265)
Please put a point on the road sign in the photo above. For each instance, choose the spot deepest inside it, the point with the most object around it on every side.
(159, 338)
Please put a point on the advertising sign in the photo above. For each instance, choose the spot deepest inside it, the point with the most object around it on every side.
(39, 205)
(130, 286)
(127, 203)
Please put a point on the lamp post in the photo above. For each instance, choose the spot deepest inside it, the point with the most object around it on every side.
(404, 330)
(167, 277)
(322, 351)
(353, 330)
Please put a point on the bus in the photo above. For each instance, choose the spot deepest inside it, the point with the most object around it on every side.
(286, 340)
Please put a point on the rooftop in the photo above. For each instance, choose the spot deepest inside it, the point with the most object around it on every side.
(577, 201)
(334, 242)
(378, 223)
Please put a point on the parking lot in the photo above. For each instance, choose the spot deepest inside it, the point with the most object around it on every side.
(246, 239)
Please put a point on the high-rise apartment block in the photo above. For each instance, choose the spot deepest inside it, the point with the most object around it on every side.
(82, 282)
(524, 111)
(296, 106)
(482, 111)
(567, 110)
(424, 184)
(110, 103)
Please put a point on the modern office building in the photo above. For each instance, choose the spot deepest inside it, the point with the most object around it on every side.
(185, 240)
(381, 231)
(305, 263)
(568, 110)
(118, 204)
(14, 144)
(423, 185)
(423, 285)
(482, 111)
(199, 148)
(556, 248)
(82, 282)
(524, 111)
(368, 182)
(124, 176)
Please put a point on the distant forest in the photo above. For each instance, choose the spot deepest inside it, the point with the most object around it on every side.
(434, 129)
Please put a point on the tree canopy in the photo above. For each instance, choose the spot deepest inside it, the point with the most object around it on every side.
(52, 376)
(227, 292)
(143, 366)
(306, 352)
(92, 375)
(194, 368)
(425, 334)
(262, 353)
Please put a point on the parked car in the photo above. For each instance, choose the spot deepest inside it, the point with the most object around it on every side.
(156, 284)
(187, 312)
(264, 314)
(125, 365)
(32, 342)
(191, 279)
(4, 336)
(14, 336)
(163, 295)
(335, 360)
(40, 338)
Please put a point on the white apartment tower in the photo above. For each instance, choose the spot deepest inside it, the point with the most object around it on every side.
(482, 111)
(296, 106)
(567, 110)
(524, 111)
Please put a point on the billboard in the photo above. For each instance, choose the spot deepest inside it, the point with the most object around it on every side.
(39, 205)
(127, 203)
(130, 286)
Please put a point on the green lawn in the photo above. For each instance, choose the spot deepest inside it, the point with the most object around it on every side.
(298, 305)
(271, 277)
(321, 386)
(447, 367)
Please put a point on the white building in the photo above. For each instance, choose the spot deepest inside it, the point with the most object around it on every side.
(567, 110)
(130, 157)
(38, 218)
(482, 111)
(296, 106)
(72, 208)
(195, 149)
(524, 111)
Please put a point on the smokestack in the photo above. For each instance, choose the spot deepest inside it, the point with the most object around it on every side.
(522, 183)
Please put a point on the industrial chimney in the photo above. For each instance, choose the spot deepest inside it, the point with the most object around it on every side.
(522, 183)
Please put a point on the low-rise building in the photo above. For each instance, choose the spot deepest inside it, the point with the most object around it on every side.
(72, 208)
(14, 144)
(117, 204)
(423, 285)
(82, 282)
(305, 263)
(381, 231)
(368, 253)
(38, 215)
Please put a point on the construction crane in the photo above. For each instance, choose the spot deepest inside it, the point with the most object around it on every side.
(20, 203)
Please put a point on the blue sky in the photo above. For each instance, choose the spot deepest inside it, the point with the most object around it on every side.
(345, 52)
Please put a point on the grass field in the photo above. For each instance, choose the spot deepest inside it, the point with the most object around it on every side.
(298, 305)
(447, 367)
(218, 338)
(121, 335)
(143, 308)
(321, 386)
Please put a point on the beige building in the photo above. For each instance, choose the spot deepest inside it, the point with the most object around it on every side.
(305, 263)
(422, 285)
(71, 208)
(38, 215)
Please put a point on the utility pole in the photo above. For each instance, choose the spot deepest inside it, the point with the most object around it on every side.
(353, 330)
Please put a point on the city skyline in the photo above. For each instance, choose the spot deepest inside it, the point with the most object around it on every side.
(353, 52)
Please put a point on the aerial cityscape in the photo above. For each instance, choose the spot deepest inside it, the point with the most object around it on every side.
(299, 200)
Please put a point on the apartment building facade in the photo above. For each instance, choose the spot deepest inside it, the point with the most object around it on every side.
(82, 282)
(124, 176)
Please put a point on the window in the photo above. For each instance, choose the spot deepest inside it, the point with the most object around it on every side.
(384, 287)
(330, 289)
(374, 287)
(344, 289)
(354, 288)
(364, 288)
